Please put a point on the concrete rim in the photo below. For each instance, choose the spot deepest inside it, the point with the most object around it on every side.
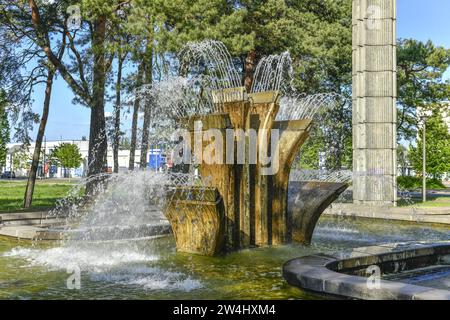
(320, 273)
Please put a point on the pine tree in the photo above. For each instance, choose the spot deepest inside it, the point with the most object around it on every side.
(420, 70)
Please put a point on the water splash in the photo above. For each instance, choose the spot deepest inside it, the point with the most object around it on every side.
(337, 176)
(179, 97)
(123, 201)
(153, 278)
(273, 73)
(295, 107)
(211, 58)
(88, 257)
(114, 229)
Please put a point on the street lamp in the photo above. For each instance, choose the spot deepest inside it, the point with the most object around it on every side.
(424, 116)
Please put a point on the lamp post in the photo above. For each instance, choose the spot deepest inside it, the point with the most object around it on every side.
(424, 159)
(44, 160)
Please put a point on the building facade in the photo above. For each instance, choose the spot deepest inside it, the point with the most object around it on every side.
(50, 171)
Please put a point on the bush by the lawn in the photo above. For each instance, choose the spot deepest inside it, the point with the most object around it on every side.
(411, 183)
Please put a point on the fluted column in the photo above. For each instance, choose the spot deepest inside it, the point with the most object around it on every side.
(374, 102)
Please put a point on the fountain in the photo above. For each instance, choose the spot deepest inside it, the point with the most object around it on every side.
(247, 197)
(244, 201)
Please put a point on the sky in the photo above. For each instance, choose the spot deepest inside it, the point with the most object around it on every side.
(418, 19)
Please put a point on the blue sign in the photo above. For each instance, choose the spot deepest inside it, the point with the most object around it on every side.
(156, 159)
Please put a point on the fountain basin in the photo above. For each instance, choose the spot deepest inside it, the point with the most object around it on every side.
(346, 274)
(151, 269)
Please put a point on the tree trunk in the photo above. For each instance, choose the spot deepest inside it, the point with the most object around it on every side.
(28, 199)
(145, 135)
(116, 139)
(148, 105)
(249, 69)
(137, 102)
(97, 135)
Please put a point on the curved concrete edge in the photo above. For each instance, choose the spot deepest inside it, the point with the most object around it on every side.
(314, 273)
(53, 233)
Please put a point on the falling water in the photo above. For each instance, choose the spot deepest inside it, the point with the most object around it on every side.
(112, 236)
(272, 73)
(295, 107)
(125, 207)
(180, 97)
(121, 204)
(173, 99)
(338, 176)
(215, 60)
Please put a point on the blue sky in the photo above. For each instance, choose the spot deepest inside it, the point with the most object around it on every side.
(419, 19)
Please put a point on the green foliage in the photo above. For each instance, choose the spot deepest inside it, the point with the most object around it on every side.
(413, 183)
(21, 159)
(308, 157)
(420, 68)
(68, 155)
(4, 129)
(181, 21)
(318, 35)
(329, 141)
(437, 147)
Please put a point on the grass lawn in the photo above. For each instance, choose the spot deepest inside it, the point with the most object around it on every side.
(46, 192)
(439, 202)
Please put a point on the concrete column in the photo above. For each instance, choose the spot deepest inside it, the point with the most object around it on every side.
(374, 102)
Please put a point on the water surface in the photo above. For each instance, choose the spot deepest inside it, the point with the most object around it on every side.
(151, 269)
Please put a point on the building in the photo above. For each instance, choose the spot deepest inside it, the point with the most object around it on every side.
(58, 172)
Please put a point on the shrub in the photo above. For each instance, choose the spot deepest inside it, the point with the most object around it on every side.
(411, 183)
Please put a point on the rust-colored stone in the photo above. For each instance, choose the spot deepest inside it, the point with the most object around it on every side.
(292, 136)
(265, 106)
(197, 217)
(307, 201)
(243, 206)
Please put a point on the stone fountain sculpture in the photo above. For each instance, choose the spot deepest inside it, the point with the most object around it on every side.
(244, 200)
(241, 206)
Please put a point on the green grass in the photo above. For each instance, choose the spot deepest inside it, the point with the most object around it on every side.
(46, 193)
(440, 202)
(437, 203)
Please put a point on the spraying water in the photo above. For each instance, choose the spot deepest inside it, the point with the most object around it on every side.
(273, 73)
(210, 58)
(295, 107)
(337, 176)
(180, 97)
